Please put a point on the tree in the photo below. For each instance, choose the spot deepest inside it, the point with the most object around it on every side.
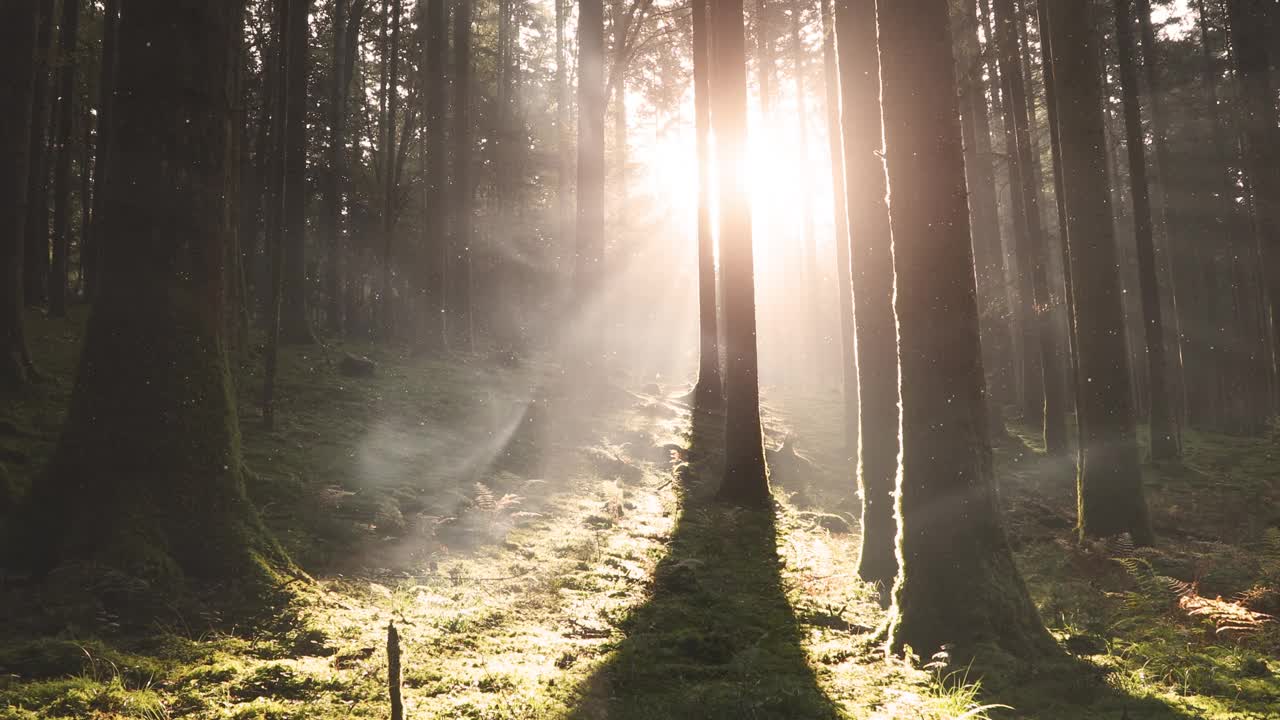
(436, 228)
(710, 388)
(36, 229)
(844, 268)
(872, 257)
(746, 481)
(295, 326)
(1164, 442)
(461, 331)
(1032, 244)
(147, 477)
(391, 60)
(68, 31)
(18, 23)
(958, 581)
(591, 107)
(1109, 482)
(102, 149)
(346, 37)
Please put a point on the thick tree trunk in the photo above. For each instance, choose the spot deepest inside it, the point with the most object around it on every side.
(295, 326)
(709, 392)
(147, 478)
(1164, 441)
(746, 481)
(461, 331)
(66, 83)
(35, 256)
(958, 582)
(1109, 481)
(873, 287)
(844, 267)
(18, 22)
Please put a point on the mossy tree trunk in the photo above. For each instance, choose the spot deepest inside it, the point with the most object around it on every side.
(958, 582)
(18, 21)
(1109, 481)
(710, 389)
(872, 257)
(746, 480)
(147, 476)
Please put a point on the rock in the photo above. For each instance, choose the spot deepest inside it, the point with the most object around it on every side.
(353, 366)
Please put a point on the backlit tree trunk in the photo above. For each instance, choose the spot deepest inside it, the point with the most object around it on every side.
(710, 389)
(872, 258)
(958, 582)
(746, 481)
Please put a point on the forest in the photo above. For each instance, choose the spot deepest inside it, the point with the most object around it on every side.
(640, 359)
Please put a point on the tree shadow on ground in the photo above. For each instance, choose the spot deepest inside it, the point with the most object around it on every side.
(717, 638)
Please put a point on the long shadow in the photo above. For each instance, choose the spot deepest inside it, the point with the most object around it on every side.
(717, 638)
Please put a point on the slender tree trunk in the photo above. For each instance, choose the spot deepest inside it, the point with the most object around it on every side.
(873, 287)
(1033, 255)
(591, 106)
(621, 27)
(436, 244)
(18, 23)
(36, 228)
(1109, 481)
(154, 363)
(709, 392)
(295, 325)
(765, 67)
(461, 328)
(276, 208)
(389, 188)
(809, 244)
(66, 81)
(746, 481)
(1164, 442)
(844, 267)
(958, 582)
(564, 150)
(339, 83)
(90, 251)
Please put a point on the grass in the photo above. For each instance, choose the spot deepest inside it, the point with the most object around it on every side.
(544, 557)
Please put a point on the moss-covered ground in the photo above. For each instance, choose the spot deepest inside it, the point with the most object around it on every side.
(546, 553)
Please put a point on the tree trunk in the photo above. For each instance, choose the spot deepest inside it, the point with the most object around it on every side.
(18, 23)
(844, 268)
(338, 84)
(745, 482)
(90, 251)
(591, 106)
(872, 258)
(1109, 482)
(564, 149)
(436, 245)
(958, 582)
(68, 31)
(295, 326)
(621, 27)
(147, 478)
(1164, 442)
(461, 326)
(1033, 255)
(389, 187)
(709, 392)
(35, 256)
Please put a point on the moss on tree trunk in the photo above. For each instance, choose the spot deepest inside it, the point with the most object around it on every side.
(147, 477)
(958, 583)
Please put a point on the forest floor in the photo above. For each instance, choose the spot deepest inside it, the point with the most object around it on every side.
(551, 554)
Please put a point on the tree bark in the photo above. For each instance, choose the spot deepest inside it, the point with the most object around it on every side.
(461, 330)
(390, 184)
(90, 250)
(709, 392)
(1164, 441)
(958, 582)
(746, 481)
(147, 477)
(68, 31)
(295, 325)
(35, 256)
(873, 287)
(591, 107)
(18, 26)
(436, 244)
(844, 266)
(338, 85)
(1109, 482)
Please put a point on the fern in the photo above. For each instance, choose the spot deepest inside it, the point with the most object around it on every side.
(1152, 588)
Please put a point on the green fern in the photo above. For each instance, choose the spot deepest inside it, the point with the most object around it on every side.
(1152, 588)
